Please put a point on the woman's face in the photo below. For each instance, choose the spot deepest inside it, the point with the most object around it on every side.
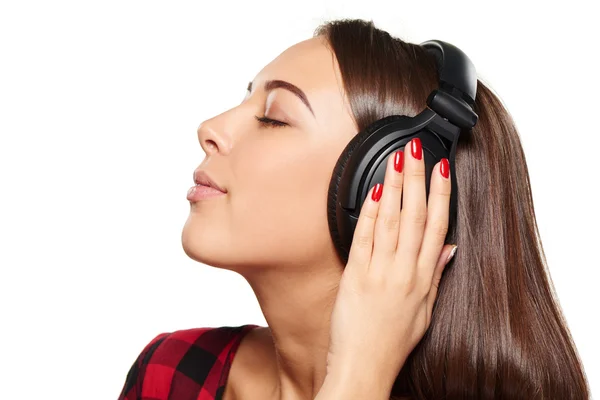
(274, 211)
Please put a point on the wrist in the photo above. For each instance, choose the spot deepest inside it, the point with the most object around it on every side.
(357, 382)
(373, 369)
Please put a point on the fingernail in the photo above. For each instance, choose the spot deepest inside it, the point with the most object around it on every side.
(415, 148)
(377, 192)
(399, 160)
(445, 168)
(451, 254)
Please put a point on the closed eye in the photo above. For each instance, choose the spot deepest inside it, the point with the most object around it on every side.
(268, 122)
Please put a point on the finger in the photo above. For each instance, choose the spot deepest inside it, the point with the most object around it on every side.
(437, 277)
(436, 227)
(361, 248)
(388, 218)
(414, 208)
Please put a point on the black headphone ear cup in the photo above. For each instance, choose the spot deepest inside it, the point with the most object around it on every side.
(336, 177)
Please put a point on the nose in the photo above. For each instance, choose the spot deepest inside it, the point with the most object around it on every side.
(211, 137)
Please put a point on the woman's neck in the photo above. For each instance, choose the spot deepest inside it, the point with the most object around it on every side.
(297, 306)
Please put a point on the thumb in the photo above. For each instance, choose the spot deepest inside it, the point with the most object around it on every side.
(445, 257)
(447, 254)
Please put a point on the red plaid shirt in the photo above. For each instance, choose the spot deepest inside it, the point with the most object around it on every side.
(191, 364)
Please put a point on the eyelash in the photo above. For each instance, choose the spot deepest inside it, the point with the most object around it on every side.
(271, 123)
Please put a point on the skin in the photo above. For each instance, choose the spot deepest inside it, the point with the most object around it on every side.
(271, 225)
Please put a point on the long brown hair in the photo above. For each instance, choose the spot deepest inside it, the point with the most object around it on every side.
(497, 330)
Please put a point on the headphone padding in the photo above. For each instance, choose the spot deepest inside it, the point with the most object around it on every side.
(336, 177)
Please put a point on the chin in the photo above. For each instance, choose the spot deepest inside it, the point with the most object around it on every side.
(197, 240)
(203, 243)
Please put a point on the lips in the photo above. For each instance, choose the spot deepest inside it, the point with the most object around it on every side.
(204, 179)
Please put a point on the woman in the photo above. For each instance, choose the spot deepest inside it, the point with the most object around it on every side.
(496, 331)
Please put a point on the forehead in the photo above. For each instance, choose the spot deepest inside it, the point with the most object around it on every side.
(312, 67)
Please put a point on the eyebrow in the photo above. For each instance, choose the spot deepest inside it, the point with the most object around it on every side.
(277, 83)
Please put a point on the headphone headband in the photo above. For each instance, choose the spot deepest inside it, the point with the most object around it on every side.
(455, 98)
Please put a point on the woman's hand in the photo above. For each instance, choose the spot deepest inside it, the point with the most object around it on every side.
(389, 286)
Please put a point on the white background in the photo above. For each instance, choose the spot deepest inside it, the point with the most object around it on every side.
(99, 105)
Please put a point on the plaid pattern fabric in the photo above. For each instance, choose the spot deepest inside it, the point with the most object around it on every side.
(190, 364)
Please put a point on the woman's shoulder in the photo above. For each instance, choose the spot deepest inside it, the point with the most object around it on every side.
(211, 340)
(191, 359)
(208, 344)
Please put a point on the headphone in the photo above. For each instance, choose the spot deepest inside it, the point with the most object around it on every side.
(362, 164)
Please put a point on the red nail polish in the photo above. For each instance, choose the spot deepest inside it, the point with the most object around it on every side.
(415, 148)
(377, 192)
(399, 160)
(445, 168)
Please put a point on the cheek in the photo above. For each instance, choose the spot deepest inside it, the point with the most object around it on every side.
(274, 189)
(279, 204)
(273, 168)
